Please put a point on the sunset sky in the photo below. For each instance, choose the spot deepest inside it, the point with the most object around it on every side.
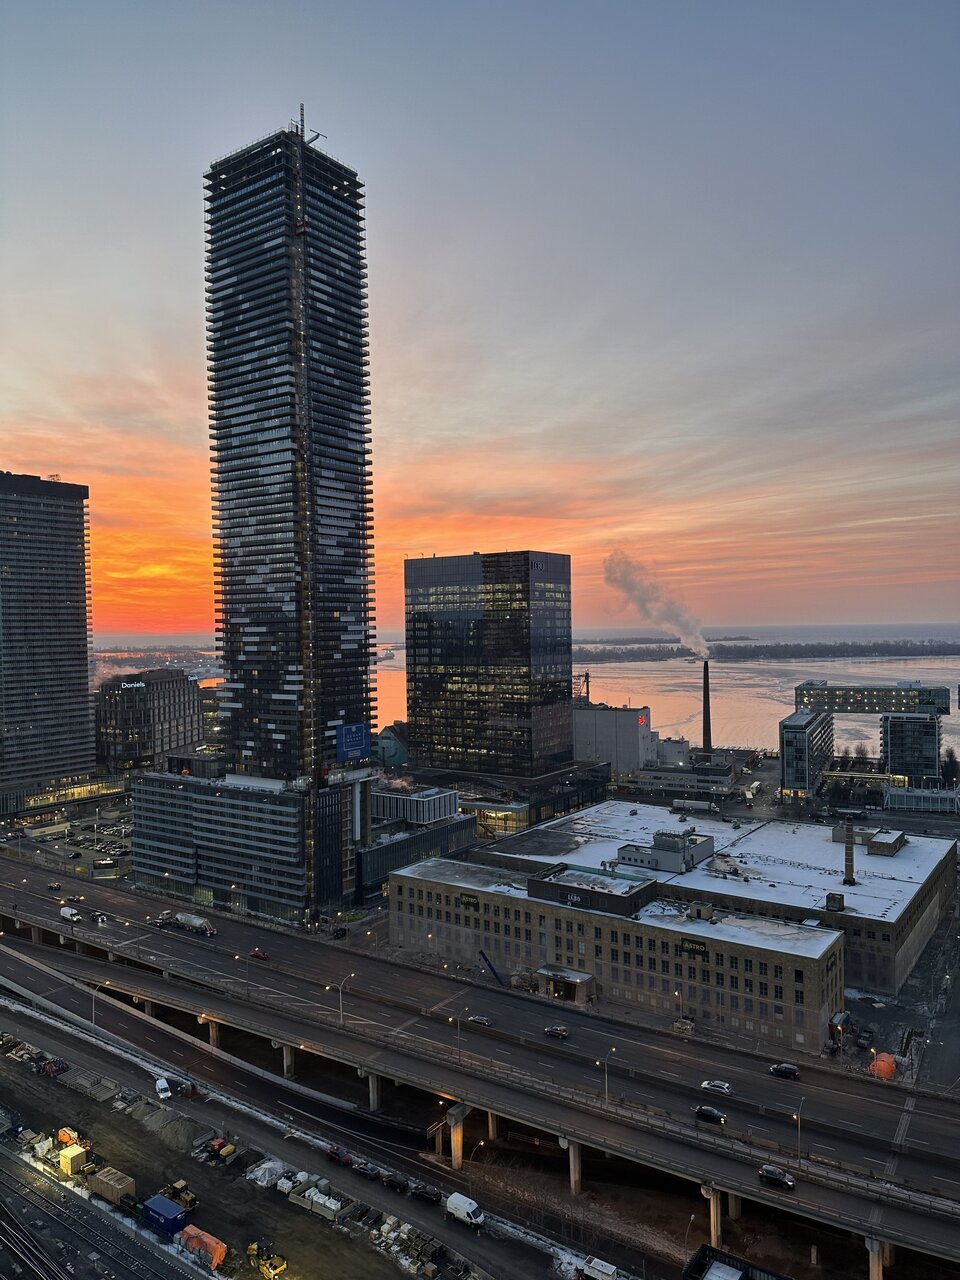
(676, 279)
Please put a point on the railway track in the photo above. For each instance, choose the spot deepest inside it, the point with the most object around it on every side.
(120, 1258)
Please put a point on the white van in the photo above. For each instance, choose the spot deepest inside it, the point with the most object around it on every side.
(465, 1210)
(163, 1089)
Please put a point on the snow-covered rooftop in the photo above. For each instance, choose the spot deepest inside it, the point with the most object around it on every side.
(791, 863)
(466, 875)
(747, 931)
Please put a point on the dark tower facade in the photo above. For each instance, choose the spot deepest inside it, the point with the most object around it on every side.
(46, 713)
(489, 662)
(289, 416)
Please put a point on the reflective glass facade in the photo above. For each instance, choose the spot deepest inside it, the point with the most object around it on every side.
(46, 713)
(489, 662)
(287, 350)
(286, 293)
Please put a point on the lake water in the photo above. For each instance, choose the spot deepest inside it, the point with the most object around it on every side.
(748, 699)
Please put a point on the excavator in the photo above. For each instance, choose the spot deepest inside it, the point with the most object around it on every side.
(264, 1261)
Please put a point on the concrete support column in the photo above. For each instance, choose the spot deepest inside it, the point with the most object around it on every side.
(733, 1205)
(373, 1086)
(147, 1007)
(875, 1254)
(438, 1140)
(36, 934)
(712, 1195)
(288, 1061)
(213, 1030)
(493, 1126)
(888, 1254)
(576, 1177)
(456, 1144)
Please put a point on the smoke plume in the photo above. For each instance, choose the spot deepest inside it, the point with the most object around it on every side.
(651, 600)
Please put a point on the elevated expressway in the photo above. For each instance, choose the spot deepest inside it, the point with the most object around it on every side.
(869, 1157)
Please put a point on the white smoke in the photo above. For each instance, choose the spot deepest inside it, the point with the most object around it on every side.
(651, 600)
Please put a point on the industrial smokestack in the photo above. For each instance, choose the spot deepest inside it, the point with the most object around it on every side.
(707, 734)
(848, 877)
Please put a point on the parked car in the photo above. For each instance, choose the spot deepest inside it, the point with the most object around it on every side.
(372, 1172)
(421, 1191)
(788, 1070)
(557, 1032)
(718, 1086)
(54, 885)
(258, 954)
(771, 1175)
(339, 1156)
(866, 1037)
(395, 1181)
(479, 1020)
(339, 933)
(711, 1114)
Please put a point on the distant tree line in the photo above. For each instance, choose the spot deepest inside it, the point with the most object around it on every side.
(758, 652)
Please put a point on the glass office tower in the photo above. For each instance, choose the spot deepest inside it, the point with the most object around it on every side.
(489, 662)
(287, 351)
(46, 713)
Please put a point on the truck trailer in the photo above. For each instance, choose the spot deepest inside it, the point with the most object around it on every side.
(185, 920)
(694, 806)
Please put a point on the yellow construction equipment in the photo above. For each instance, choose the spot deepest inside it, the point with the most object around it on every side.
(264, 1261)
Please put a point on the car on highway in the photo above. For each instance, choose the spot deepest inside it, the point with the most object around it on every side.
(74, 853)
(771, 1175)
(98, 917)
(75, 897)
(479, 1020)
(395, 1181)
(258, 954)
(711, 1114)
(556, 1032)
(787, 1070)
(54, 885)
(339, 1156)
(372, 1172)
(423, 1191)
(163, 1089)
(718, 1086)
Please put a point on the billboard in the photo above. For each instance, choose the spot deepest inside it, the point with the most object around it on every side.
(353, 742)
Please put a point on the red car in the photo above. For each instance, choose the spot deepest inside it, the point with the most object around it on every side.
(339, 1156)
(257, 954)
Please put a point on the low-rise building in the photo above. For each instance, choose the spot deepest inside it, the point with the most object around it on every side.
(887, 905)
(586, 931)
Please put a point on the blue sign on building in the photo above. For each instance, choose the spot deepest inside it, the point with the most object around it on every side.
(353, 742)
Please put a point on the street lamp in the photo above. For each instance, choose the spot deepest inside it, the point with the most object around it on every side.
(686, 1234)
(606, 1077)
(796, 1116)
(339, 986)
(455, 1017)
(247, 974)
(372, 933)
(93, 1001)
(475, 1150)
(679, 994)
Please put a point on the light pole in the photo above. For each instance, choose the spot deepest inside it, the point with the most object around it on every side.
(372, 933)
(247, 984)
(606, 1078)
(679, 994)
(796, 1116)
(339, 986)
(475, 1150)
(93, 1001)
(455, 1017)
(686, 1234)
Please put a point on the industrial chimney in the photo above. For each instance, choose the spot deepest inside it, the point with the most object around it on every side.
(707, 735)
(848, 876)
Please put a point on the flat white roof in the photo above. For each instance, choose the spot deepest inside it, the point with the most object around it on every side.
(602, 883)
(796, 864)
(747, 931)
